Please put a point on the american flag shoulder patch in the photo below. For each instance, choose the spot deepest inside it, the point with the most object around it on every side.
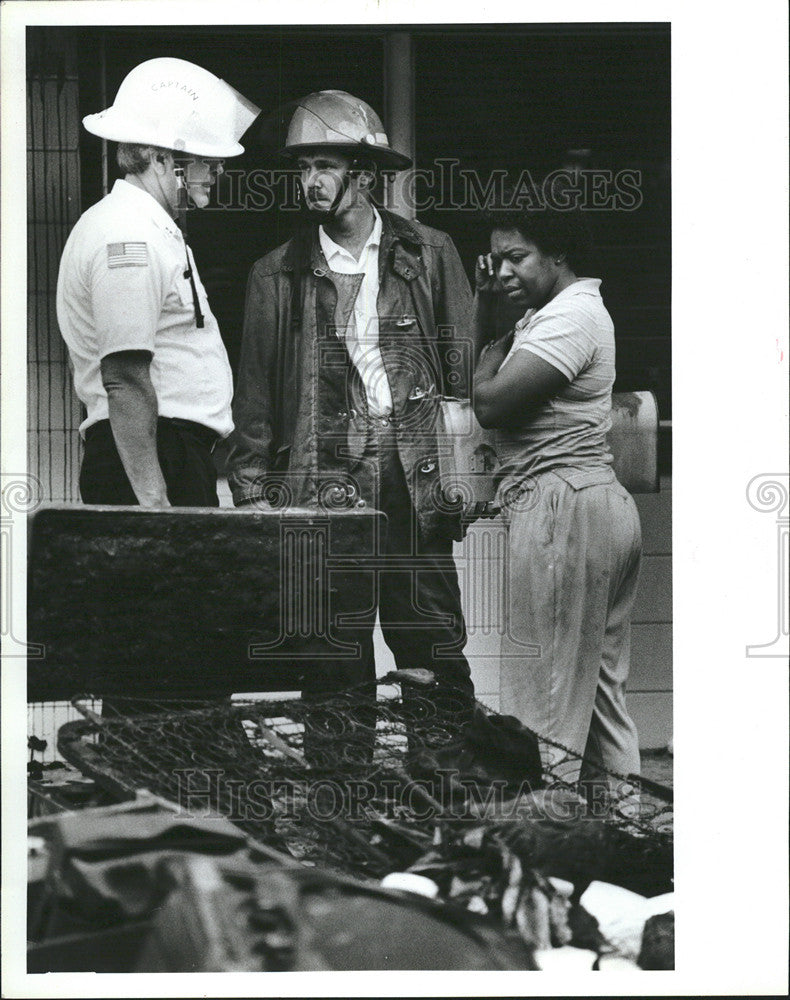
(127, 255)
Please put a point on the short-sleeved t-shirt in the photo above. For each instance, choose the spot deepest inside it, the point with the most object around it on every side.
(121, 286)
(574, 333)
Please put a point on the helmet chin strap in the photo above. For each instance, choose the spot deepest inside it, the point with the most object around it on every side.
(182, 199)
(321, 215)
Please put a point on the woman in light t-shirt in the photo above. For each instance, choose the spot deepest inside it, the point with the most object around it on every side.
(574, 540)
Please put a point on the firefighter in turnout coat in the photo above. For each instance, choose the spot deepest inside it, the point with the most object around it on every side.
(352, 331)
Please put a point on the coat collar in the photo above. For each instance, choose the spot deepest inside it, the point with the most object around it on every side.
(401, 242)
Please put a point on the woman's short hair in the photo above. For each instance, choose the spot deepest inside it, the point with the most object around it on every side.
(134, 158)
(554, 231)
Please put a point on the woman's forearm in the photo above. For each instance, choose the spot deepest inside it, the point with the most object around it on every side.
(489, 363)
(483, 320)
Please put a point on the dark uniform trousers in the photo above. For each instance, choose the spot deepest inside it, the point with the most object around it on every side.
(413, 584)
(184, 449)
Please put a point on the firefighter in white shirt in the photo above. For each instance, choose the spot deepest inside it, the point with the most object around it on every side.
(149, 363)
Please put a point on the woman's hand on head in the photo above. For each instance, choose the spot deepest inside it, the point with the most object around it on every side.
(486, 281)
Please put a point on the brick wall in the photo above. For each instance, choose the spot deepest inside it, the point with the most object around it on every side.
(650, 687)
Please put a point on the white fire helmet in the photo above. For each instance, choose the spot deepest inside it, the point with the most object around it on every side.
(340, 120)
(179, 106)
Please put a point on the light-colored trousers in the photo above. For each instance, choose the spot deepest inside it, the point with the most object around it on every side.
(572, 573)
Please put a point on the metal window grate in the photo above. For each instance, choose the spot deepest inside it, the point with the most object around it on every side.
(53, 195)
(44, 719)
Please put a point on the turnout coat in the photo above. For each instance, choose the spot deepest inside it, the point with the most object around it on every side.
(300, 407)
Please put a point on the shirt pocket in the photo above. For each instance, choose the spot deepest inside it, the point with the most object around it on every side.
(179, 291)
(183, 290)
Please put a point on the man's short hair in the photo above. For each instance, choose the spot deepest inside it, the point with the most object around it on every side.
(134, 158)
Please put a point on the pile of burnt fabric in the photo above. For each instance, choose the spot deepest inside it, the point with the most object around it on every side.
(586, 887)
(490, 750)
(491, 763)
(500, 871)
(140, 888)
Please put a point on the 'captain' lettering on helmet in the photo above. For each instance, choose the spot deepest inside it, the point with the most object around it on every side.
(175, 83)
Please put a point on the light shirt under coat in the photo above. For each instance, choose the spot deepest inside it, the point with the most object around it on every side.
(361, 336)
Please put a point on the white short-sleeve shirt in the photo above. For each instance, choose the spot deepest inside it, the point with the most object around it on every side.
(121, 286)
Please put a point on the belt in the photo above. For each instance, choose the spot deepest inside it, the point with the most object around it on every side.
(204, 434)
(207, 437)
